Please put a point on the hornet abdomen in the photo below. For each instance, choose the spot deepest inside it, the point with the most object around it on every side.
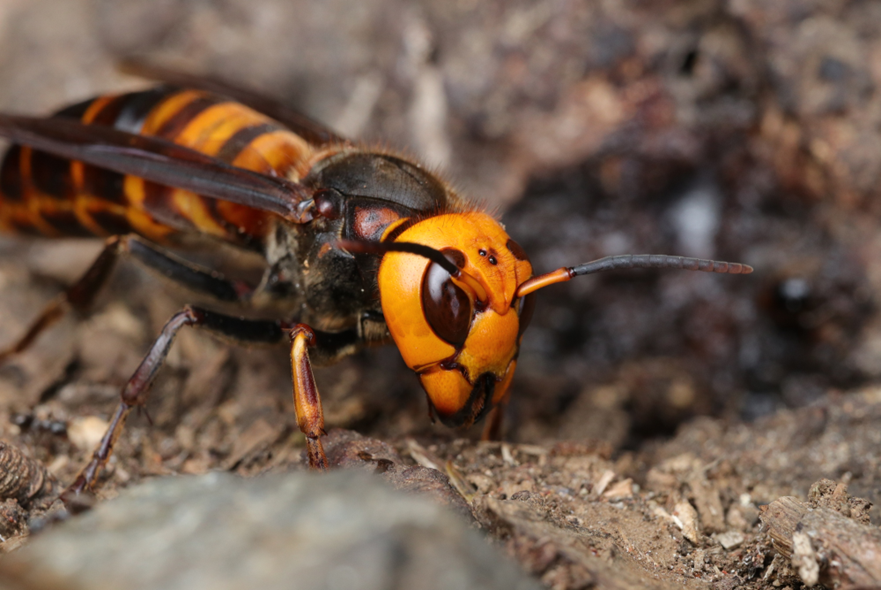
(51, 196)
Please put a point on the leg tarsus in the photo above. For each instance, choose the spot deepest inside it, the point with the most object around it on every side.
(315, 452)
(87, 477)
(134, 394)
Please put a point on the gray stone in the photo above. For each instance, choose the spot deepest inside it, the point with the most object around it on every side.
(343, 530)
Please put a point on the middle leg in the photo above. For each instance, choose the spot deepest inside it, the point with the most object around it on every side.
(82, 293)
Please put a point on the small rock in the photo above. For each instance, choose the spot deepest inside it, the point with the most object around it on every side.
(522, 495)
(620, 490)
(729, 540)
(340, 530)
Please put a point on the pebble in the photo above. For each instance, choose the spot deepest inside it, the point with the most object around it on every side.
(340, 530)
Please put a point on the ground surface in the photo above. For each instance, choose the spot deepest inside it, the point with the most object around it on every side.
(720, 129)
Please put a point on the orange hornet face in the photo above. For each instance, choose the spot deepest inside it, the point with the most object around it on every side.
(461, 334)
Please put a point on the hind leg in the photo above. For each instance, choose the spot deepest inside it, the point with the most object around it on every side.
(310, 415)
(135, 392)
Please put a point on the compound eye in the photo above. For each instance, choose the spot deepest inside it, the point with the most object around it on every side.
(447, 308)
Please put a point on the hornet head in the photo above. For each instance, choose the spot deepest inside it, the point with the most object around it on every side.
(456, 317)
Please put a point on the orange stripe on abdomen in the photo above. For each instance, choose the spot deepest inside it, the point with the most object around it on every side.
(53, 196)
(238, 135)
(203, 124)
(44, 193)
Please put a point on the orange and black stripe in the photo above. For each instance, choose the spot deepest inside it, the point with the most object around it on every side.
(48, 195)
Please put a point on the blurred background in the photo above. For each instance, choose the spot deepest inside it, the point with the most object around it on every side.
(740, 130)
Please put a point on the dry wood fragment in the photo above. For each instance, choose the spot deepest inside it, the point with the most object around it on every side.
(708, 504)
(687, 520)
(824, 545)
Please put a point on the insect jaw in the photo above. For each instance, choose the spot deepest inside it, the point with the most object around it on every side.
(456, 401)
(464, 386)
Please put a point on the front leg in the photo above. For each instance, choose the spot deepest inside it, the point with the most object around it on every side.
(326, 347)
(307, 402)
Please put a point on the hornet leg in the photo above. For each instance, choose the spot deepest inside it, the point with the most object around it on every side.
(325, 346)
(310, 415)
(493, 429)
(135, 392)
(495, 420)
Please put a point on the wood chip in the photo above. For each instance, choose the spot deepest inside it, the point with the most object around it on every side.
(603, 482)
(708, 503)
(423, 456)
(804, 559)
(686, 519)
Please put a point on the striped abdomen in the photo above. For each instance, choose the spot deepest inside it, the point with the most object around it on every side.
(44, 194)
